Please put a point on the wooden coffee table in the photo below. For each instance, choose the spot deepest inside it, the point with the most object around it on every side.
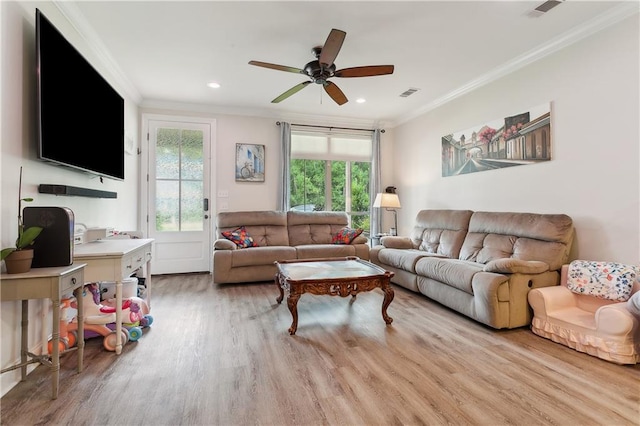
(346, 276)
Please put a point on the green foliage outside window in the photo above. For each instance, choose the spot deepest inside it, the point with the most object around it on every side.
(307, 183)
(308, 188)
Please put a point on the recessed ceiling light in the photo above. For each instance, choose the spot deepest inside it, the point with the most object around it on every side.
(213, 85)
(361, 100)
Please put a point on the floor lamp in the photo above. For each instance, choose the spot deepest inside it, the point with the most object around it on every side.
(390, 202)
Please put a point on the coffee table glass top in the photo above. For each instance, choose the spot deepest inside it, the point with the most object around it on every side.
(330, 269)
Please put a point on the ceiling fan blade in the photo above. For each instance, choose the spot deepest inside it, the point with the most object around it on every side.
(335, 93)
(331, 47)
(368, 71)
(276, 67)
(293, 90)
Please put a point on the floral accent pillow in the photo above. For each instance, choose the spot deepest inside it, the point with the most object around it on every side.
(241, 237)
(346, 235)
(605, 280)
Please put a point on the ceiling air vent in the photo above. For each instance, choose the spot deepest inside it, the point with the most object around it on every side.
(408, 92)
(548, 5)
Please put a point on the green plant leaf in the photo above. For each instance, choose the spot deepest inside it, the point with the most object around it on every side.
(6, 252)
(28, 236)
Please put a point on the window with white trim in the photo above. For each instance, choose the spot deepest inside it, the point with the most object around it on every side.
(330, 171)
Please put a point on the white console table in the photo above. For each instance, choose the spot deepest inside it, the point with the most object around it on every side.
(115, 260)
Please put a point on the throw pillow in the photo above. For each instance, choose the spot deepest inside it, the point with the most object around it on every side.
(605, 280)
(241, 237)
(346, 235)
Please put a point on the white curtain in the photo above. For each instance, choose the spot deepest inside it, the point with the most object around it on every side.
(285, 155)
(375, 183)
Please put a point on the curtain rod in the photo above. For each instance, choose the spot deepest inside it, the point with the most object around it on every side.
(331, 128)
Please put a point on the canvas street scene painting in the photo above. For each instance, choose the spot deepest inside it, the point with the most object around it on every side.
(524, 138)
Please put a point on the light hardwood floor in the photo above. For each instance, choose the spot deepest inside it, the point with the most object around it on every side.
(221, 355)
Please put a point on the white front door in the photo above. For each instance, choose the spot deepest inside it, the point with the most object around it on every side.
(179, 187)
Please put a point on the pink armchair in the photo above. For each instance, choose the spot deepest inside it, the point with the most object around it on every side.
(607, 329)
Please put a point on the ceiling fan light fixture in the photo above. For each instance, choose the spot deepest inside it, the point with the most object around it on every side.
(213, 85)
(361, 100)
(323, 68)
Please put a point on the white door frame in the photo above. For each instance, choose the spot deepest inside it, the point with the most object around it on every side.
(144, 170)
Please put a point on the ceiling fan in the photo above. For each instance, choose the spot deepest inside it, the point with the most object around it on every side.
(323, 68)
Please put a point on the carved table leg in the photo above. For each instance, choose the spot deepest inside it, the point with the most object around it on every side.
(279, 298)
(292, 303)
(388, 297)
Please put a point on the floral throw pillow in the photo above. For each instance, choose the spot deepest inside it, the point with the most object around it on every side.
(240, 237)
(346, 235)
(605, 280)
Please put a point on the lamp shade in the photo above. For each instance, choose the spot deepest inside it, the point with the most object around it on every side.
(387, 200)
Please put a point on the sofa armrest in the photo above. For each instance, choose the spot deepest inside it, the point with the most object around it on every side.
(360, 239)
(515, 266)
(390, 241)
(224, 244)
(548, 299)
(615, 319)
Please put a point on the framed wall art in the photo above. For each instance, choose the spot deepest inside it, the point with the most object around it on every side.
(520, 139)
(249, 162)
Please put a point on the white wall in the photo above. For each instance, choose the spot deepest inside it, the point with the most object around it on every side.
(233, 129)
(593, 177)
(19, 148)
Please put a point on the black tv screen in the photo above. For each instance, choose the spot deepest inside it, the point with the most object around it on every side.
(80, 116)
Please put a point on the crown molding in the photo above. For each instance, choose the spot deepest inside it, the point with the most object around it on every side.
(79, 22)
(613, 16)
(292, 117)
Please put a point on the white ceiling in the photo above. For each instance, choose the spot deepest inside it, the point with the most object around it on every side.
(166, 52)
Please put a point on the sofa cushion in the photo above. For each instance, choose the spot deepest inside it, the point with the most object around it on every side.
(440, 231)
(316, 251)
(403, 259)
(346, 235)
(261, 255)
(267, 228)
(524, 236)
(314, 227)
(240, 237)
(453, 272)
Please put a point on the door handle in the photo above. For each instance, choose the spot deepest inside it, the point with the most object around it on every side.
(206, 204)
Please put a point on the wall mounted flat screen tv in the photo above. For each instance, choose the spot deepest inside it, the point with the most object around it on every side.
(80, 116)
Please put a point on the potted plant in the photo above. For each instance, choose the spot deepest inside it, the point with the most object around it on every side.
(18, 259)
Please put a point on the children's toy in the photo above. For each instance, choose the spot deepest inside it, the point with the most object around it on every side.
(99, 319)
(68, 338)
(129, 289)
(135, 315)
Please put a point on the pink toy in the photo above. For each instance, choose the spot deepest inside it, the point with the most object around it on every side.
(99, 319)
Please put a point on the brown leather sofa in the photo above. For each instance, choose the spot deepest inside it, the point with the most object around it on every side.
(280, 236)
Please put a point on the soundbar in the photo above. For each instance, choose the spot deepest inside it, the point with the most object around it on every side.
(74, 190)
